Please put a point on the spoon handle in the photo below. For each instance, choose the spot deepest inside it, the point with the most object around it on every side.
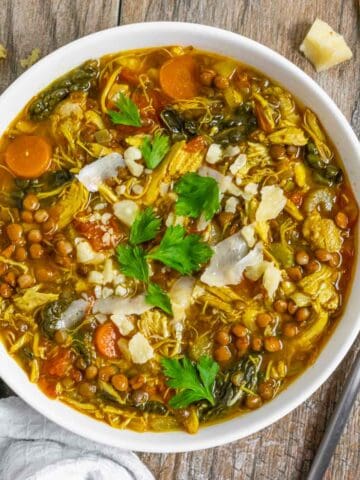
(336, 424)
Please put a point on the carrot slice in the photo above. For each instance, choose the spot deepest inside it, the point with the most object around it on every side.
(28, 156)
(106, 337)
(178, 77)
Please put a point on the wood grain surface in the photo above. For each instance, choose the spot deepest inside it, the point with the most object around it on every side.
(283, 451)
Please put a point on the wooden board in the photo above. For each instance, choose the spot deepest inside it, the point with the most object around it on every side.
(284, 450)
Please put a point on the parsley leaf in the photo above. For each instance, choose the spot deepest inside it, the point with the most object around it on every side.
(154, 151)
(197, 194)
(145, 227)
(184, 253)
(193, 382)
(128, 114)
(132, 262)
(157, 297)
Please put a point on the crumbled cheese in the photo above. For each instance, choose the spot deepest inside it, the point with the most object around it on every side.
(95, 173)
(140, 349)
(231, 151)
(106, 292)
(231, 204)
(124, 324)
(137, 189)
(231, 257)
(86, 254)
(99, 206)
(97, 291)
(105, 218)
(101, 318)
(198, 292)
(96, 277)
(238, 163)
(251, 188)
(106, 238)
(272, 203)
(126, 211)
(121, 291)
(214, 153)
(324, 47)
(120, 189)
(248, 232)
(132, 154)
(124, 306)
(225, 182)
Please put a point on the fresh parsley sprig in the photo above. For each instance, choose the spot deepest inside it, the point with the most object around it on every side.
(156, 296)
(145, 227)
(154, 151)
(193, 381)
(132, 262)
(184, 253)
(128, 113)
(197, 195)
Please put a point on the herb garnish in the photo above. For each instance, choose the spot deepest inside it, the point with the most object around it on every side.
(145, 227)
(128, 113)
(157, 297)
(184, 253)
(193, 381)
(132, 262)
(154, 151)
(197, 195)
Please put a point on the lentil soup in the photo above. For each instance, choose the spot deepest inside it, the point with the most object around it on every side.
(177, 237)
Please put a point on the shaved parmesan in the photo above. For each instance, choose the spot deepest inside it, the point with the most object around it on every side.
(140, 349)
(123, 306)
(126, 211)
(238, 163)
(271, 276)
(248, 233)
(95, 173)
(73, 314)
(225, 182)
(271, 279)
(180, 296)
(124, 324)
(272, 203)
(231, 204)
(231, 257)
(86, 254)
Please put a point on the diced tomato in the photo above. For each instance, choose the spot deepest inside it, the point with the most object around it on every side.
(58, 365)
(95, 232)
(106, 338)
(129, 76)
(196, 144)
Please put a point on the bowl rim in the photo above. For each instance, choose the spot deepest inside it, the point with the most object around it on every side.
(218, 434)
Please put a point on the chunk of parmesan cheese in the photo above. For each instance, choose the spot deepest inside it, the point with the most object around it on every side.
(248, 233)
(271, 276)
(124, 324)
(324, 47)
(126, 211)
(132, 154)
(180, 296)
(272, 203)
(95, 173)
(140, 349)
(214, 153)
(86, 254)
(231, 257)
(123, 306)
(238, 163)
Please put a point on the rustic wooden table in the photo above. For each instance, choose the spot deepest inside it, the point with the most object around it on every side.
(284, 450)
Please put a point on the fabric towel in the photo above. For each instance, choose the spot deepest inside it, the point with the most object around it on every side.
(34, 448)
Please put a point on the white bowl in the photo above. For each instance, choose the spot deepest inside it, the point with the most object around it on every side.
(298, 83)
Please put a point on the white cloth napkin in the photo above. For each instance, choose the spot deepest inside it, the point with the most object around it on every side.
(34, 448)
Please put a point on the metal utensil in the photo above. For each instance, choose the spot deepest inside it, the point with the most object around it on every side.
(337, 423)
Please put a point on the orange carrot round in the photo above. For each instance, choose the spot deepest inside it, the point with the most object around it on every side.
(28, 156)
(106, 337)
(178, 77)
